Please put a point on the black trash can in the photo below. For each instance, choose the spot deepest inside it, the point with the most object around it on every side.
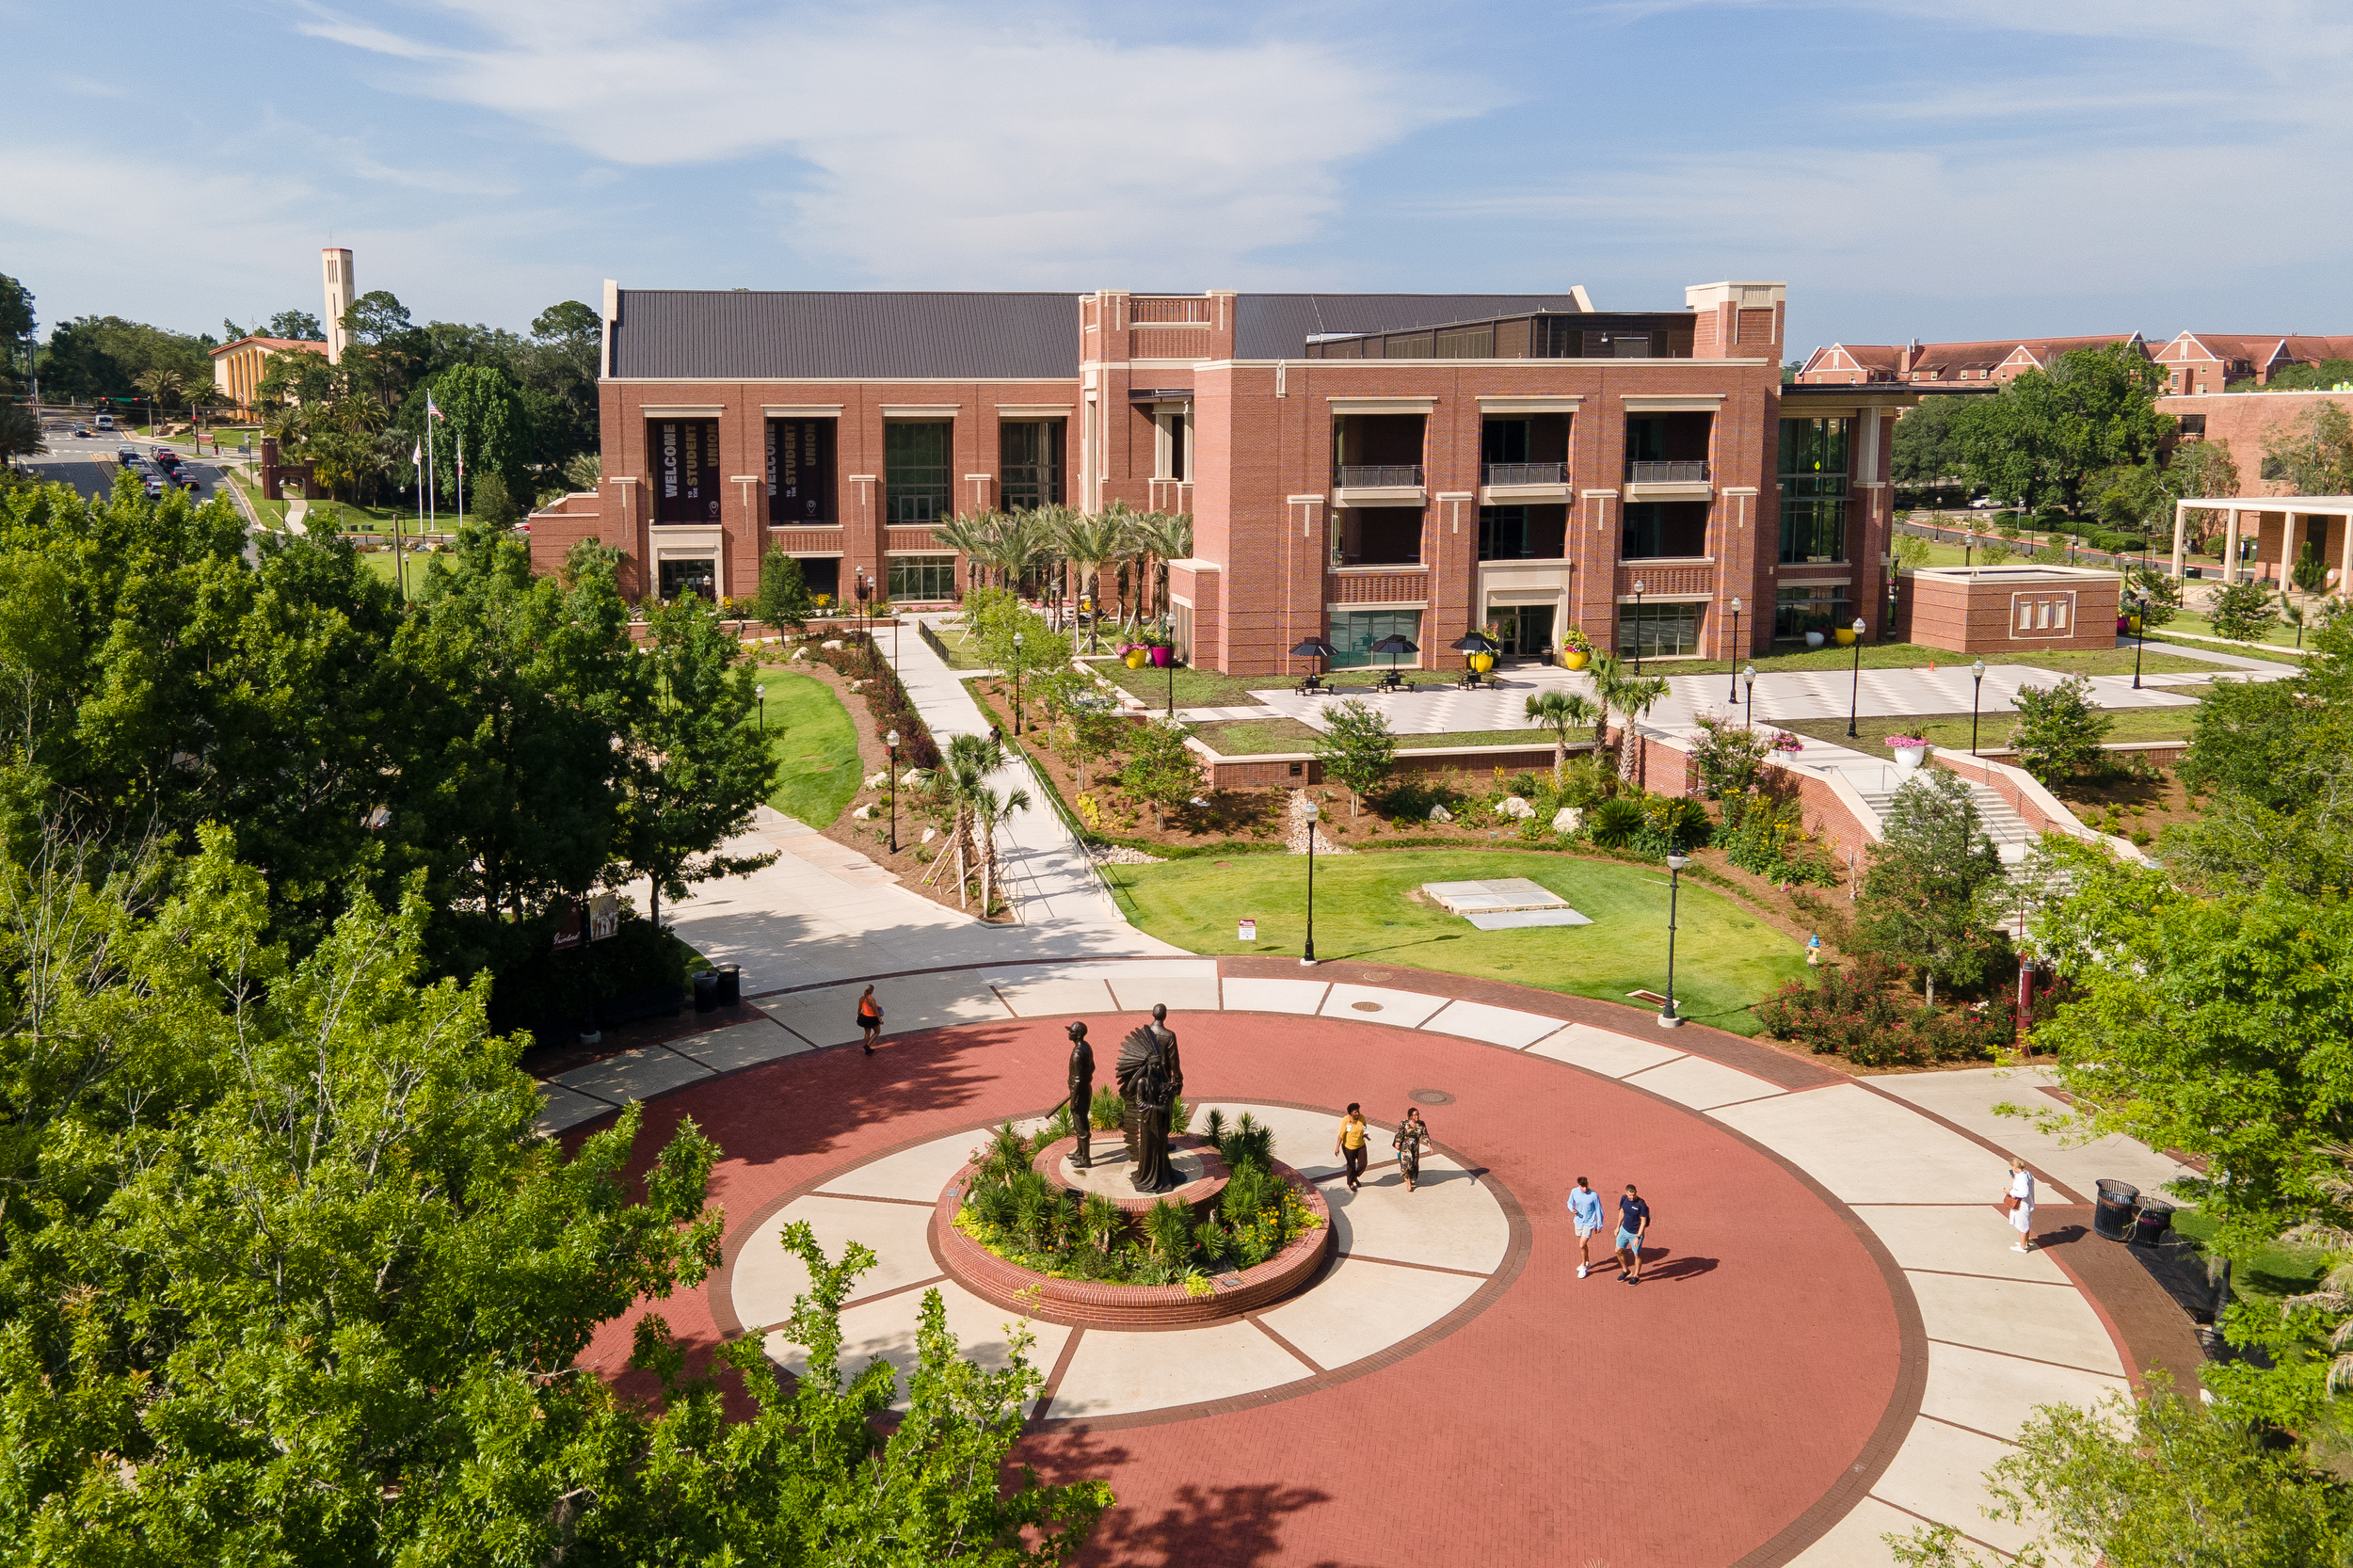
(2112, 1212)
(730, 985)
(2155, 1219)
(705, 991)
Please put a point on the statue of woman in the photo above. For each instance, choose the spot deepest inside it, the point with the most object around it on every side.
(1151, 1079)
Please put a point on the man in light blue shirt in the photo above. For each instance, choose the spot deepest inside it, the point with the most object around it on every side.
(1585, 1212)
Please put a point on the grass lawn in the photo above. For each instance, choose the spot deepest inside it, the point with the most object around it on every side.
(961, 655)
(2277, 1271)
(2280, 636)
(380, 562)
(1951, 730)
(1726, 958)
(350, 516)
(1885, 656)
(1252, 737)
(812, 735)
(1210, 689)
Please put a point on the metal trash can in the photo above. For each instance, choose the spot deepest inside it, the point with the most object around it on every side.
(730, 985)
(2155, 1219)
(705, 991)
(2112, 1211)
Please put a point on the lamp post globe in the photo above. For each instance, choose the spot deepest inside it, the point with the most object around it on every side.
(1731, 691)
(1675, 862)
(1976, 690)
(1307, 953)
(1748, 679)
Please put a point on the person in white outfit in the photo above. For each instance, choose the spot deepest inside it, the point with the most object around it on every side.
(2021, 1202)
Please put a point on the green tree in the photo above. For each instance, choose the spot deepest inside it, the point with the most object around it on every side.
(1357, 749)
(2311, 453)
(1924, 451)
(2159, 594)
(2157, 1482)
(782, 600)
(696, 767)
(1619, 690)
(2243, 611)
(1161, 770)
(1089, 541)
(485, 420)
(1560, 711)
(2059, 731)
(1918, 902)
(2045, 433)
(492, 504)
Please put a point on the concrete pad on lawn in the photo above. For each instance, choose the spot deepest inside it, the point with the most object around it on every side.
(1449, 1221)
(888, 1328)
(1114, 1374)
(1867, 1148)
(1251, 994)
(634, 1075)
(1939, 1474)
(1380, 1004)
(1997, 1394)
(1604, 1050)
(1497, 1026)
(917, 1176)
(1966, 1238)
(1363, 1308)
(560, 1110)
(723, 1050)
(1858, 1540)
(1702, 1084)
(2046, 1322)
(1053, 997)
(767, 1278)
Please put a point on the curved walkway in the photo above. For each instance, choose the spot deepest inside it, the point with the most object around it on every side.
(1509, 1435)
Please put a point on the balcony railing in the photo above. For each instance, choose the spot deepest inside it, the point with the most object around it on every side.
(1666, 474)
(1146, 311)
(1526, 473)
(1351, 476)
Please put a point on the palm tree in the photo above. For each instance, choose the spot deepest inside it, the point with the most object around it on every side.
(970, 535)
(1021, 540)
(1629, 696)
(961, 778)
(1161, 538)
(988, 810)
(1088, 540)
(161, 385)
(1560, 711)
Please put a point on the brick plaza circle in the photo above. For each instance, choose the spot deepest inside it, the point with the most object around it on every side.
(1725, 1411)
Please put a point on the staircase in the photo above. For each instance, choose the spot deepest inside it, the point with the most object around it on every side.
(2001, 821)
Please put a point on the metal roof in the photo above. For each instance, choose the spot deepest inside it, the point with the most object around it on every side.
(704, 334)
(1277, 325)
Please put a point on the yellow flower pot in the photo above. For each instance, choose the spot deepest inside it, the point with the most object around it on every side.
(1846, 635)
(1574, 659)
(2132, 623)
(1137, 657)
(1483, 662)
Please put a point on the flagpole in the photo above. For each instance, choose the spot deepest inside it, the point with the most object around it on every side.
(433, 502)
(462, 479)
(400, 562)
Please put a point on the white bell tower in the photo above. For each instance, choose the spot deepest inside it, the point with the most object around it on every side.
(336, 267)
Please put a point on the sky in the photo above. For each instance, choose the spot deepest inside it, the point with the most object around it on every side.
(1932, 169)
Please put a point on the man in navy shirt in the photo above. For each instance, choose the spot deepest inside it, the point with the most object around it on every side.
(1633, 1224)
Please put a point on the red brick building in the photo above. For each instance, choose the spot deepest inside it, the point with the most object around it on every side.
(1357, 465)
(1993, 361)
(2198, 363)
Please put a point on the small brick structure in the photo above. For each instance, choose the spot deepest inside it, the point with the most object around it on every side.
(1094, 1304)
(2009, 609)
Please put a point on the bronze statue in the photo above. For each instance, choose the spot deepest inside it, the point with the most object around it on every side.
(1151, 1079)
(1081, 1092)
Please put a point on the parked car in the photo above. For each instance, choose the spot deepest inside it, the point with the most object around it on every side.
(1983, 503)
(81, 432)
(127, 455)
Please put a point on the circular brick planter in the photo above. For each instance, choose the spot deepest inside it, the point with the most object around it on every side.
(1199, 1195)
(1091, 1303)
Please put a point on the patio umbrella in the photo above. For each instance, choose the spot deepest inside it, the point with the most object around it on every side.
(1395, 644)
(1313, 648)
(1475, 641)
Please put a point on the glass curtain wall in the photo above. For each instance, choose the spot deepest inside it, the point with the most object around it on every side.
(1354, 631)
(1813, 475)
(1660, 630)
(914, 470)
(1028, 464)
(922, 577)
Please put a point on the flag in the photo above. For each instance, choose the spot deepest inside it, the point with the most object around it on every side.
(417, 457)
(433, 408)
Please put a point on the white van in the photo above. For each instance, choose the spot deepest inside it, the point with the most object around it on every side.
(105, 421)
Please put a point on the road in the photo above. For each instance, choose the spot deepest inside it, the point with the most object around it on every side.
(90, 466)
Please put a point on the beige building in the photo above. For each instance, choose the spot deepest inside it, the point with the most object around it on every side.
(238, 367)
(335, 269)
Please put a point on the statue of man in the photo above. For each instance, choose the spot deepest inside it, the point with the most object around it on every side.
(1151, 1078)
(1081, 1092)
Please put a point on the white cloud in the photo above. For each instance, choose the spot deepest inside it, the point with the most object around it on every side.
(927, 142)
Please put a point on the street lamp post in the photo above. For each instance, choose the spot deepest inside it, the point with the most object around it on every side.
(1307, 955)
(1667, 1018)
(1854, 698)
(890, 739)
(1638, 629)
(1748, 679)
(1016, 683)
(1976, 690)
(764, 712)
(2140, 633)
(1171, 667)
(1730, 691)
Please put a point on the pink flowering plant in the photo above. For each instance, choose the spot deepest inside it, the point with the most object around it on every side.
(1907, 742)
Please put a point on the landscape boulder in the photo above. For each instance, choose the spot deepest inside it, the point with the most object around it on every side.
(1439, 813)
(1569, 818)
(1516, 808)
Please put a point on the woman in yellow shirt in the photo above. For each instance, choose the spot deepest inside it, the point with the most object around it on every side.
(1350, 1144)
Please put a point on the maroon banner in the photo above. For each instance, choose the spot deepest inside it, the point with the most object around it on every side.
(686, 469)
(800, 470)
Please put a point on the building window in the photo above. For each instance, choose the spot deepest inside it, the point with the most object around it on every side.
(800, 470)
(1524, 629)
(1654, 529)
(922, 577)
(1813, 477)
(1378, 536)
(1523, 533)
(1815, 607)
(696, 576)
(1659, 630)
(1028, 464)
(916, 454)
(686, 469)
(1172, 451)
(1354, 631)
